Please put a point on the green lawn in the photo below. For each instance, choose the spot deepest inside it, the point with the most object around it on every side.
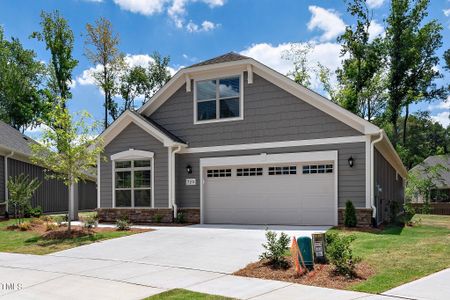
(400, 255)
(180, 294)
(32, 243)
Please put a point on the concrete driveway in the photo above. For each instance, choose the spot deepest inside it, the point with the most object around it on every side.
(199, 258)
(215, 248)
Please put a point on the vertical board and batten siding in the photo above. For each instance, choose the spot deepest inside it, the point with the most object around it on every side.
(136, 138)
(351, 181)
(391, 186)
(270, 114)
(2, 179)
(51, 196)
(87, 195)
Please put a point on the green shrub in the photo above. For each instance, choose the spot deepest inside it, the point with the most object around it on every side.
(89, 221)
(60, 219)
(180, 218)
(32, 212)
(394, 209)
(350, 215)
(426, 208)
(275, 249)
(340, 253)
(157, 218)
(123, 224)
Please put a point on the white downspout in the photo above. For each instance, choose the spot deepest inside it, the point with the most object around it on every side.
(6, 180)
(172, 194)
(372, 172)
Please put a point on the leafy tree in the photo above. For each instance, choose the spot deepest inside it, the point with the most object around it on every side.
(21, 76)
(106, 55)
(427, 138)
(134, 83)
(411, 46)
(298, 55)
(21, 190)
(447, 59)
(360, 76)
(78, 150)
(158, 73)
(58, 38)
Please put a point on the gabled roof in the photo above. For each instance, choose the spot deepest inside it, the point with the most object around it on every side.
(13, 140)
(431, 161)
(150, 126)
(227, 57)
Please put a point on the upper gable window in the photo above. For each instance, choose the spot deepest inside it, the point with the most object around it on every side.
(218, 99)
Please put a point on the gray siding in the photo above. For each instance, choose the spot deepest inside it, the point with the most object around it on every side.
(135, 137)
(388, 187)
(51, 196)
(270, 114)
(87, 195)
(351, 185)
(2, 178)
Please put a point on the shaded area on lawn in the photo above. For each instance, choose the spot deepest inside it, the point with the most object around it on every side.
(181, 294)
(39, 241)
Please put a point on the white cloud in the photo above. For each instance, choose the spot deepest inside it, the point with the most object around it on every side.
(374, 3)
(326, 20)
(443, 118)
(446, 12)
(175, 9)
(328, 54)
(440, 105)
(96, 1)
(375, 29)
(144, 7)
(205, 26)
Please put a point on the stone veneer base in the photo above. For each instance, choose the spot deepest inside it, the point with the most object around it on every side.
(147, 215)
(192, 215)
(363, 217)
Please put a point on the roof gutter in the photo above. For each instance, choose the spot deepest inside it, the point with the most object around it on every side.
(372, 173)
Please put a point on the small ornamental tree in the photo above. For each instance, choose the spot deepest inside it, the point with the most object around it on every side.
(350, 215)
(21, 190)
(77, 150)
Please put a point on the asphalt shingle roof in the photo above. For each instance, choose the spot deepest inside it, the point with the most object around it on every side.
(443, 160)
(227, 57)
(14, 140)
(166, 132)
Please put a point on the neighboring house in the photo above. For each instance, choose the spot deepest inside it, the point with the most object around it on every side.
(52, 195)
(441, 190)
(230, 140)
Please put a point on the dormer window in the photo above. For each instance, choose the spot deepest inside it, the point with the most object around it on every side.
(218, 100)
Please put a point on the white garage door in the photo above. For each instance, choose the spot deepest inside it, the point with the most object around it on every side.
(288, 193)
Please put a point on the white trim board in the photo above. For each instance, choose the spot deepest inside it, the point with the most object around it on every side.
(317, 156)
(271, 145)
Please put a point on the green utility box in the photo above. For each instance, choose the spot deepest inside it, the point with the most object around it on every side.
(305, 246)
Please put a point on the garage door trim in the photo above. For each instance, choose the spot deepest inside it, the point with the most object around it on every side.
(263, 158)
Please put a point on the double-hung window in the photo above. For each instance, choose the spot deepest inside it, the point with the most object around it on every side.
(218, 99)
(133, 183)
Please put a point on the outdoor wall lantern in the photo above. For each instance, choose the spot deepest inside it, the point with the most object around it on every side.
(350, 161)
(189, 169)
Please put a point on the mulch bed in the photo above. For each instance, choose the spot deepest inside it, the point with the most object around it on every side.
(322, 275)
(61, 232)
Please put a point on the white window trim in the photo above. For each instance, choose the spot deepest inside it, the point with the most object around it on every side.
(286, 158)
(241, 99)
(132, 154)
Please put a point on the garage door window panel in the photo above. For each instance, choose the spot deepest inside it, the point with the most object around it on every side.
(218, 173)
(249, 172)
(283, 170)
(317, 169)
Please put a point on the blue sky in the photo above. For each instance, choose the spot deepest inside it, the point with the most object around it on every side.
(193, 30)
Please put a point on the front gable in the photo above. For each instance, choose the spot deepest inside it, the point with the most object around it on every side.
(270, 114)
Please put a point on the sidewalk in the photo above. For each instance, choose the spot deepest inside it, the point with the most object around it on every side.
(433, 287)
(55, 277)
